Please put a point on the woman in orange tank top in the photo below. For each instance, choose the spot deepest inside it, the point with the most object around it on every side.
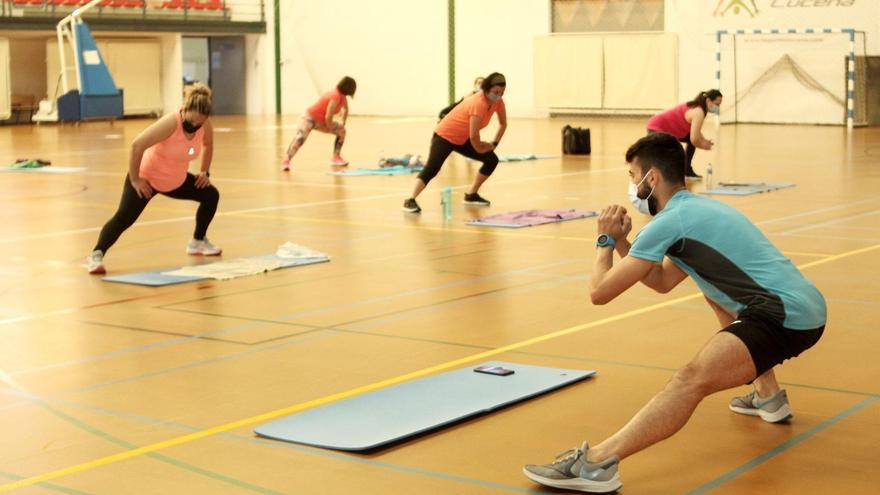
(320, 118)
(159, 163)
(459, 131)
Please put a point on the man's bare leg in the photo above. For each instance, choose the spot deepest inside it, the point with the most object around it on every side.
(723, 363)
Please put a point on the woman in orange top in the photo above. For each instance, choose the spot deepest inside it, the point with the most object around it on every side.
(459, 131)
(320, 117)
(159, 163)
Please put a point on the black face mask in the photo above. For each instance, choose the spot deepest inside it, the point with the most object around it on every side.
(189, 127)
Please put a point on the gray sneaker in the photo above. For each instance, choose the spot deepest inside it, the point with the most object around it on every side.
(772, 410)
(572, 471)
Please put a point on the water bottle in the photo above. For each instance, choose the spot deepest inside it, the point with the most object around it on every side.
(447, 203)
(709, 176)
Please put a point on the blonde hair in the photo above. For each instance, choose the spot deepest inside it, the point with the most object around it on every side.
(198, 98)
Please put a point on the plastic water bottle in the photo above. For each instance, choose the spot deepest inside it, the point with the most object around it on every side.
(447, 203)
(709, 176)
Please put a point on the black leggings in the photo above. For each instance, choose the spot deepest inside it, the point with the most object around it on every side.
(440, 150)
(131, 205)
(690, 149)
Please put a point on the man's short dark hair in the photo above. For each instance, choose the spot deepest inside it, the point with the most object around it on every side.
(662, 151)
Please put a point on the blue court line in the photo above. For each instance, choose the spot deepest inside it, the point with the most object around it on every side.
(311, 335)
(289, 446)
(251, 324)
(175, 369)
(148, 347)
(733, 473)
(82, 425)
(385, 298)
(45, 484)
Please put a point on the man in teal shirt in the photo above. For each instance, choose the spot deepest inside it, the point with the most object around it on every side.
(767, 310)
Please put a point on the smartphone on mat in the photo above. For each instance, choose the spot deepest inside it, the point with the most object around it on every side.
(493, 370)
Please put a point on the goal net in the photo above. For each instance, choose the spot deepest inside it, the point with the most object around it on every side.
(792, 76)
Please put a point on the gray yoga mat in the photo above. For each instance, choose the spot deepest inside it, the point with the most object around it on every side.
(158, 278)
(746, 188)
(391, 414)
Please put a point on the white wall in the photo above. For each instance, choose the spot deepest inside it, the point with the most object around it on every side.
(260, 72)
(497, 35)
(172, 72)
(395, 49)
(695, 23)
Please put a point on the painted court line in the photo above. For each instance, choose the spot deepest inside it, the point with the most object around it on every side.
(86, 230)
(829, 222)
(82, 425)
(757, 461)
(48, 486)
(311, 451)
(183, 439)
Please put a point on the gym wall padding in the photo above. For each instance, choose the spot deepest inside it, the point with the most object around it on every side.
(640, 71)
(606, 71)
(568, 71)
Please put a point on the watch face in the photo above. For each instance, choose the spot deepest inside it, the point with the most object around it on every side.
(602, 240)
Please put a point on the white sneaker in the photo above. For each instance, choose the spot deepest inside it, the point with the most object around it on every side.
(95, 263)
(203, 247)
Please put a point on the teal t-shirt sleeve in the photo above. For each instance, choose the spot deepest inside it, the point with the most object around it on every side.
(652, 242)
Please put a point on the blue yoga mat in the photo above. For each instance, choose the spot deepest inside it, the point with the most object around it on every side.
(746, 188)
(395, 170)
(157, 278)
(385, 416)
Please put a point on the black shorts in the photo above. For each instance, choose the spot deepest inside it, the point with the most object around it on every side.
(769, 342)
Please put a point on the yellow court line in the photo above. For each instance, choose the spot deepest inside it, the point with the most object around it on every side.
(180, 440)
(801, 253)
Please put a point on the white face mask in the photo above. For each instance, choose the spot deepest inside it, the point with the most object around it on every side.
(640, 204)
(715, 110)
(493, 97)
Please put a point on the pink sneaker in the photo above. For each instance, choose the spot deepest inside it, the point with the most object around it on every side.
(285, 165)
(95, 263)
(338, 161)
(203, 247)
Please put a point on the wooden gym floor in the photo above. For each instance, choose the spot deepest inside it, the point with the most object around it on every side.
(117, 389)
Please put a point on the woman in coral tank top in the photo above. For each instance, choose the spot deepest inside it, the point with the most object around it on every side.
(685, 122)
(320, 118)
(159, 163)
(459, 131)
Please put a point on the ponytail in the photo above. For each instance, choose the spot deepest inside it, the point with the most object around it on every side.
(702, 97)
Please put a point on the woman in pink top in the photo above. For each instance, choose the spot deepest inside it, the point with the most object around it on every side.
(320, 117)
(685, 122)
(459, 131)
(159, 163)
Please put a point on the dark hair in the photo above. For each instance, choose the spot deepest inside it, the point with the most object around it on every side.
(347, 86)
(492, 80)
(702, 97)
(661, 151)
